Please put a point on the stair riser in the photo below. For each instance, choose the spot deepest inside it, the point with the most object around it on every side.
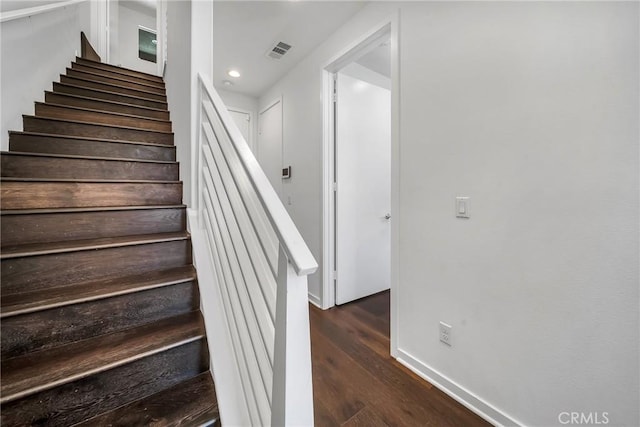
(114, 81)
(108, 390)
(64, 112)
(95, 104)
(58, 326)
(33, 273)
(120, 76)
(17, 166)
(109, 96)
(59, 127)
(116, 150)
(119, 70)
(36, 195)
(61, 227)
(112, 88)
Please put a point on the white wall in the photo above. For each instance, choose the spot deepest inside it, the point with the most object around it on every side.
(244, 102)
(35, 51)
(178, 82)
(531, 109)
(128, 21)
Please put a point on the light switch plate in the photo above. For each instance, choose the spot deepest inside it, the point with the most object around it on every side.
(462, 207)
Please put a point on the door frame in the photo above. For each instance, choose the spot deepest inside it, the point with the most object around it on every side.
(252, 126)
(387, 28)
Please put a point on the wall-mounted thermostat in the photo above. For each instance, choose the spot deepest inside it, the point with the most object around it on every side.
(286, 172)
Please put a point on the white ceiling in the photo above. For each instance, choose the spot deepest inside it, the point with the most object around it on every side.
(243, 32)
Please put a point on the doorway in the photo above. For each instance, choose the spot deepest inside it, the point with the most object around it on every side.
(362, 146)
(269, 147)
(359, 145)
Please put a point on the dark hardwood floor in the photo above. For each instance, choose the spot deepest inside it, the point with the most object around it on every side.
(356, 382)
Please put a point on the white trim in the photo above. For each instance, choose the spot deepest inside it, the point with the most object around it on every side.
(460, 394)
(149, 30)
(252, 127)
(386, 28)
(315, 300)
(36, 10)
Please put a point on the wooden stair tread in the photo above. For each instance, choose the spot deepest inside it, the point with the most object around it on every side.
(105, 181)
(115, 78)
(28, 302)
(87, 138)
(97, 124)
(82, 157)
(114, 88)
(46, 369)
(90, 244)
(191, 402)
(109, 113)
(106, 101)
(115, 68)
(85, 209)
(71, 85)
(108, 73)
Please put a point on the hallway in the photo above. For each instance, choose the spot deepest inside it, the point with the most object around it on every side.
(357, 383)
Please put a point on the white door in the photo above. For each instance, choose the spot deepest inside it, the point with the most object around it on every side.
(243, 121)
(363, 196)
(270, 144)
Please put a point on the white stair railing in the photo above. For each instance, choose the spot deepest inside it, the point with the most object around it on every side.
(261, 264)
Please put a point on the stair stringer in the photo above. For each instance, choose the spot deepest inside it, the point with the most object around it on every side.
(232, 404)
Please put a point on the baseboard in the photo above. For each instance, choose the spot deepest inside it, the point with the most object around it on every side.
(457, 392)
(315, 301)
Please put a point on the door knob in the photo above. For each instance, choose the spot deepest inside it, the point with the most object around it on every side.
(387, 216)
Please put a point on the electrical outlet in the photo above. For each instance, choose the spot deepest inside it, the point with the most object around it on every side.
(445, 333)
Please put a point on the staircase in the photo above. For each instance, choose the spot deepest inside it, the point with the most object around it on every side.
(100, 319)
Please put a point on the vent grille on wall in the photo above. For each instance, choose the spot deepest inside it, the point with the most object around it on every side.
(279, 50)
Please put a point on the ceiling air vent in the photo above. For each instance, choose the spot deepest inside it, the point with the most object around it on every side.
(278, 51)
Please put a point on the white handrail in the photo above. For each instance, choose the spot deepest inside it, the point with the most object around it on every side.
(292, 242)
(31, 11)
(261, 266)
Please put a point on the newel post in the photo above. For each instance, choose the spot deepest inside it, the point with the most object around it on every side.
(292, 397)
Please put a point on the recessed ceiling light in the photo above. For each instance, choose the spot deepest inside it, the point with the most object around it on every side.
(234, 73)
(227, 83)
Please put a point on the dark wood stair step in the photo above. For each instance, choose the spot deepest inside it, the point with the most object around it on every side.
(97, 116)
(87, 245)
(119, 70)
(80, 400)
(28, 302)
(114, 80)
(87, 146)
(56, 166)
(119, 75)
(27, 226)
(112, 88)
(94, 130)
(33, 373)
(104, 105)
(107, 95)
(192, 402)
(21, 193)
(63, 266)
(62, 325)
